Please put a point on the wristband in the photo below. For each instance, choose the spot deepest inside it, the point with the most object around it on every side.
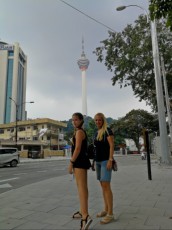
(111, 159)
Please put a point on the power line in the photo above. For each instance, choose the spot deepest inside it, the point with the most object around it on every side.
(88, 16)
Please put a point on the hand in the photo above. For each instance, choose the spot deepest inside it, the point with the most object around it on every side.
(93, 166)
(70, 168)
(109, 165)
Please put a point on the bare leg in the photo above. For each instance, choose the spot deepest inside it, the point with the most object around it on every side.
(104, 198)
(108, 197)
(81, 181)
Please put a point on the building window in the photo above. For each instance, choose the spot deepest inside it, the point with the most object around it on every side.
(11, 53)
(35, 138)
(22, 129)
(20, 84)
(9, 91)
(1, 131)
(8, 130)
(28, 127)
(42, 126)
(35, 127)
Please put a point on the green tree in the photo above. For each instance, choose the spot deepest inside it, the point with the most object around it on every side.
(161, 9)
(91, 130)
(119, 137)
(128, 55)
(132, 125)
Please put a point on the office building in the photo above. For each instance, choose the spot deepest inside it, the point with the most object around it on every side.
(13, 65)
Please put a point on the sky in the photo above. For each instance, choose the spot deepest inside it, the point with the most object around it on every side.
(50, 34)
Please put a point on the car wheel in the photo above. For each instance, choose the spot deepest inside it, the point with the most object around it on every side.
(13, 163)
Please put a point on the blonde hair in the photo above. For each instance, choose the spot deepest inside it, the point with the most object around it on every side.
(103, 128)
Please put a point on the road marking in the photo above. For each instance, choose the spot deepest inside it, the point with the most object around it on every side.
(17, 174)
(59, 169)
(5, 186)
(9, 179)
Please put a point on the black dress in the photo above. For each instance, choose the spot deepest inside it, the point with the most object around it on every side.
(82, 160)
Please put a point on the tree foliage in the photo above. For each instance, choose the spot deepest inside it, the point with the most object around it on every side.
(91, 130)
(128, 55)
(161, 9)
(119, 139)
(132, 125)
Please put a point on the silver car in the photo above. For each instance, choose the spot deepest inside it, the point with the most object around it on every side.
(9, 156)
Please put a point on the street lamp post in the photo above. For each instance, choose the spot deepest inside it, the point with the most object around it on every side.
(164, 146)
(17, 106)
(58, 130)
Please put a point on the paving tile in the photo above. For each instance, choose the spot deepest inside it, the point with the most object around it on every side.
(163, 222)
(49, 204)
(31, 225)
(11, 223)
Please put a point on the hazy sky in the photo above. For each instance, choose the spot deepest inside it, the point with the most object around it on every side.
(50, 34)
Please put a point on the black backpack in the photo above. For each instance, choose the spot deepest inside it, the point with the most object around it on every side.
(91, 151)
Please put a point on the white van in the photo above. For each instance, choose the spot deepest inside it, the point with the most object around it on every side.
(9, 156)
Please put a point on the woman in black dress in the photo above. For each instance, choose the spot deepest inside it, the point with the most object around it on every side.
(79, 164)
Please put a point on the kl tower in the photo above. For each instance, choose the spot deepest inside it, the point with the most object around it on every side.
(83, 63)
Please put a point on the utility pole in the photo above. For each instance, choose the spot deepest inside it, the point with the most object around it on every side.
(166, 97)
(17, 106)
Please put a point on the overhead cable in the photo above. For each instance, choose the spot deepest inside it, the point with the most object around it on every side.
(88, 16)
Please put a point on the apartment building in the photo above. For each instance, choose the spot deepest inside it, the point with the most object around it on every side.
(34, 134)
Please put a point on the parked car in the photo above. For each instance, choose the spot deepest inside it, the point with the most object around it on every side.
(33, 154)
(9, 156)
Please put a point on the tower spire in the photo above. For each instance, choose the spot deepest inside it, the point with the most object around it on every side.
(83, 45)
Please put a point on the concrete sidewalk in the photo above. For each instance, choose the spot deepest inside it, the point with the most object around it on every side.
(139, 203)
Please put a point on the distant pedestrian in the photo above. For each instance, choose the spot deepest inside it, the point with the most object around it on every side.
(104, 144)
(79, 164)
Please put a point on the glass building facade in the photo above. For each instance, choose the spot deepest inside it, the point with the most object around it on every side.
(13, 64)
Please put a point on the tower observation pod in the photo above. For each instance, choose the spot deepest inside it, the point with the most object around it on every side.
(83, 64)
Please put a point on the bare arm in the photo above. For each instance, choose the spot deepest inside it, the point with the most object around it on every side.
(111, 144)
(80, 135)
(111, 151)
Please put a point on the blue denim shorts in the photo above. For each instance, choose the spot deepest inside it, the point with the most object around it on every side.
(103, 174)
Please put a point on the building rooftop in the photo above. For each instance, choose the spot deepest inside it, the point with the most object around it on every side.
(34, 122)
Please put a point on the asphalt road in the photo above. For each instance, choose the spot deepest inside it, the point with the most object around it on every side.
(28, 173)
(32, 172)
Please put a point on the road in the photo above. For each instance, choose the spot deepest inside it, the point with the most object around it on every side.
(32, 172)
(28, 173)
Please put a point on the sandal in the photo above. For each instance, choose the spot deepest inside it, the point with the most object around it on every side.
(86, 223)
(102, 214)
(77, 215)
(107, 219)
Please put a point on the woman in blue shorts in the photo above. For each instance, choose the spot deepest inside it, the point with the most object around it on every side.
(104, 143)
